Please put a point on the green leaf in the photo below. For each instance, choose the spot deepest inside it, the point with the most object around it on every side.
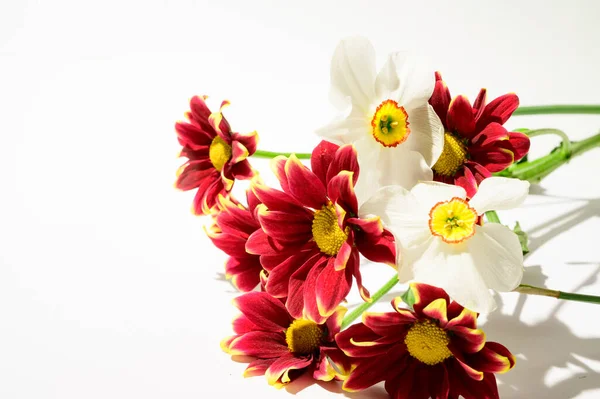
(523, 239)
(408, 298)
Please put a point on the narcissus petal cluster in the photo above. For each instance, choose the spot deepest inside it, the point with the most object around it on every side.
(216, 155)
(433, 351)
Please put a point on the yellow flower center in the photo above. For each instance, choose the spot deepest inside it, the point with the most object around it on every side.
(327, 232)
(219, 153)
(452, 220)
(427, 342)
(390, 124)
(303, 336)
(453, 156)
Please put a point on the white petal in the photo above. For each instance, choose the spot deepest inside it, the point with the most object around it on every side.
(387, 81)
(353, 71)
(345, 131)
(430, 193)
(426, 133)
(499, 193)
(450, 267)
(498, 255)
(417, 80)
(400, 213)
(403, 168)
(368, 151)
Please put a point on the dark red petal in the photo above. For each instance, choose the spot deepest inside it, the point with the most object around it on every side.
(372, 370)
(295, 299)
(519, 144)
(459, 316)
(242, 170)
(263, 310)
(460, 117)
(490, 136)
(382, 250)
(462, 384)
(345, 159)
(286, 227)
(193, 136)
(465, 179)
(276, 200)
(304, 185)
(424, 295)
(244, 272)
(321, 158)
(311, 306)
(331, 288)
(260, 344)
(341, 191)
(200, 114)
(493, 159)
(248, 140)
(467, 340)
(278, 372)
(353, 266)
(278, 168)
(279, 276)
(242, 325)
(499, 110)
(479, 104)
(359, 341)
(390, 323)
(259, 243)
(440, 98)
(193, 175)
(206, 196)
(493, 358)
(257, 367)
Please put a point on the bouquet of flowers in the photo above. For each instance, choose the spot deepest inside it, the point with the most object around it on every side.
(407, 176)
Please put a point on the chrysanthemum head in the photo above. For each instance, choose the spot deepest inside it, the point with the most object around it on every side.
(390, 124)
(453, 220)
(219, 153)
(327, 232)
(427, 342)
(453, 156)
(303, 336)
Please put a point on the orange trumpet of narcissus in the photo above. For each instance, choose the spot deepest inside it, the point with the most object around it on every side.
(435, 350)
(216, 155)
(475, 142)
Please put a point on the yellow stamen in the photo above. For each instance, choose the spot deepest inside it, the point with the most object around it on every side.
(303, 336)
(390, 124)
(428, 343)
(453, 156)
(219, 153)
(453, 221)
(327, 232)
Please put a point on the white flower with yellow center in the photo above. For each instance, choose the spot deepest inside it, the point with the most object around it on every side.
(397, 134)
(440, 241)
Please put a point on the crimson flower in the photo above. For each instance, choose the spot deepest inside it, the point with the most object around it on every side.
(233, 224)
(475, 142)
(311, 234)
(434, 351)
(216, 155)
(284, 348)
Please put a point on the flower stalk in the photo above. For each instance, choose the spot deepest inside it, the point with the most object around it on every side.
(558, 109)
(356, 313)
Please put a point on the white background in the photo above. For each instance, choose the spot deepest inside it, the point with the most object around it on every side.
(108, 286)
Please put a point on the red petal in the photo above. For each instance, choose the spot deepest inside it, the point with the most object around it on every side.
(244, 272)
(263, 310)
(463, 362)
(460, 117)
(279, 276)
(493, 358)
(278, 372)
(286, 227)
(259, 243)
(437, 310)
(206, 196)
(242, 170)
(359, 341)
(200, 114)
(491, 135)
(460, 316)
(295, 299)
(192, 175)
(493, 159)
(248, 140)
(276, 200)
(382, 250)
(389, 324)
(465, 179)
(304, 185)
(479, 104)
(499, 110)
(345, 159)
(260, 344)
(519, 144)
(334, 323)
(353, 266)
(242, 325)
(321, 158)
(331, 288)
(258, 367)
(278, 168)
(341, 191)
(311, 306)
(468, 388)
(193, 136)
(375, 369)
(424, 295)
(468, 340)
(440, 98)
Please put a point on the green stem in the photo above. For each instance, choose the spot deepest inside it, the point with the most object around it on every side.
(492, 217)
(558, 109)
(568, 296)
(566, 143)
(356, 313)
(273, 154)
(536, 170)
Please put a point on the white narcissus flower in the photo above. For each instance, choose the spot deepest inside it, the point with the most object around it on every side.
(440, 243)
(397, 134)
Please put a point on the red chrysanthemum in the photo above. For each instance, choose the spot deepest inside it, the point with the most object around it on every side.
(283, 347)
(233, 224)
(434, 351)
(216, 155)
(311, 234)
(476, 144)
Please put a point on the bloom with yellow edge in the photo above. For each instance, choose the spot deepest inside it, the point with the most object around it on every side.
(475, 142)
(443, 241)
(284, 348)
(386, 115)
(434, 350)
(311, 235)
(216, 155)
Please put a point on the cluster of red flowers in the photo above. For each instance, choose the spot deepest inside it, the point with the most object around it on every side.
(295, 253)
